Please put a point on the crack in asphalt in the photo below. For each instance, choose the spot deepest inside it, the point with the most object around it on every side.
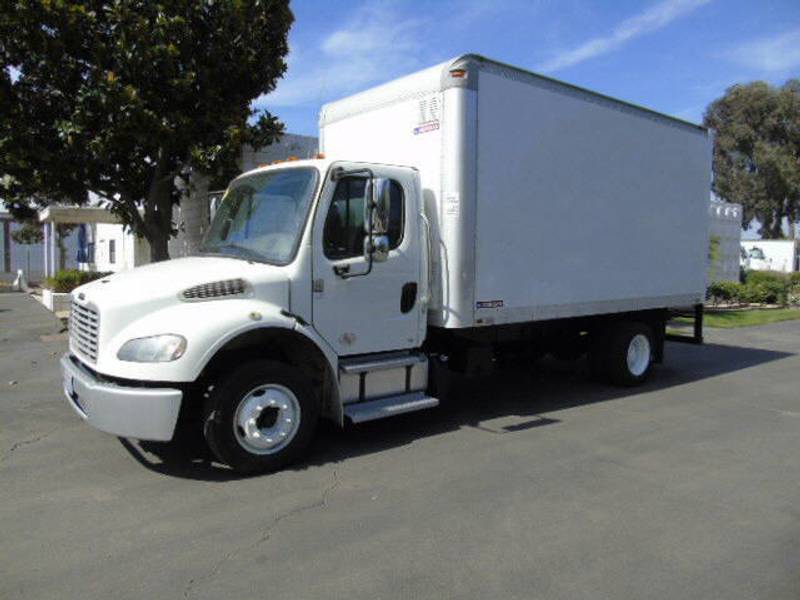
(265, 535)
(27, 442)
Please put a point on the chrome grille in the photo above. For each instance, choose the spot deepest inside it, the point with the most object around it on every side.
(84, 328)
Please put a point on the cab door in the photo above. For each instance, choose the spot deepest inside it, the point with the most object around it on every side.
(378, 311)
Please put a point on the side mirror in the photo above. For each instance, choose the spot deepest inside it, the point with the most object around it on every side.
(376, 208)
(376, 220)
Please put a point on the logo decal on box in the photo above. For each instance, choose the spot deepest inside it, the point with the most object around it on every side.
(426, 127)
(490, 304)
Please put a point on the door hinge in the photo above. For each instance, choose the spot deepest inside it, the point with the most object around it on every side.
(318, 286)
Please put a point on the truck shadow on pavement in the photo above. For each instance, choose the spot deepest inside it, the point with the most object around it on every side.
(515, 399)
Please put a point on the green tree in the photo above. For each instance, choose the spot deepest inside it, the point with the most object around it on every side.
(757, 152)
(124, 98)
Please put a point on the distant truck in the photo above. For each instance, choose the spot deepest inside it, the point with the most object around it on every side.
(460, 213)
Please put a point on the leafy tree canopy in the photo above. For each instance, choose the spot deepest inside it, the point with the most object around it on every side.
(122, 98)
(757, 152)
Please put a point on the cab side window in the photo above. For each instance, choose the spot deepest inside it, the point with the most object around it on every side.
(343, 236)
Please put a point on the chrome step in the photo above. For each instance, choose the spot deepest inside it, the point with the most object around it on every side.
(390, 406)
(377, 376)
(351, 366)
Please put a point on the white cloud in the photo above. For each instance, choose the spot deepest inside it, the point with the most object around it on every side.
(374, 45)
(650, 20)
(772, 54)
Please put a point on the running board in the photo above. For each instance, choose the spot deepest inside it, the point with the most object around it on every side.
(371, 410)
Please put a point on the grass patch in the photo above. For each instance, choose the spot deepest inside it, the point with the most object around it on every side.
(745, 317)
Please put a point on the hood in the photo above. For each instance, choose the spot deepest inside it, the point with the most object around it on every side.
(162, 280)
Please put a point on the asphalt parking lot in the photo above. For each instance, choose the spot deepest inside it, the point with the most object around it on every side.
(536, 484)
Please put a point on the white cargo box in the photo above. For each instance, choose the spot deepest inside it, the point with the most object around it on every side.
(546, 200)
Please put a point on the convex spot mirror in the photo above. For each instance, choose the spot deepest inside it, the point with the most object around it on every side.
(378, 247)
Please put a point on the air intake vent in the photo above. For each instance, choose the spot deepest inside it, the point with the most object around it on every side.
(215, 289)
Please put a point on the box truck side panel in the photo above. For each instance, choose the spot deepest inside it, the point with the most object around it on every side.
(583, 206)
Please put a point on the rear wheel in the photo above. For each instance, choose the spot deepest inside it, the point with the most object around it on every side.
(623, 353)
(261, 417)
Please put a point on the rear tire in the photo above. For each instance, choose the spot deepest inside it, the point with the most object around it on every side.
(623, 353)
(261, 417)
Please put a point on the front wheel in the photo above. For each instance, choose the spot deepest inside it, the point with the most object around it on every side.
(261, 417)
(623, 354)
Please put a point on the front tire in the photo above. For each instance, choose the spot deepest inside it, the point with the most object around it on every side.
(261, 417)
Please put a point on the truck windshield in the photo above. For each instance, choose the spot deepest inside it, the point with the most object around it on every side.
(260, 216)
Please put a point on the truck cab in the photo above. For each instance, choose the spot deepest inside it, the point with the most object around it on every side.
(308, 299)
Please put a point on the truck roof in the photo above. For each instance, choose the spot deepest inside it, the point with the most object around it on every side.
(437, 78)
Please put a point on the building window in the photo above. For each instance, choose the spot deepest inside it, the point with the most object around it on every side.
(112, 251)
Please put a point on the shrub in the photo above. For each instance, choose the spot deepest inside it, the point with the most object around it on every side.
(776, 291)
(793, 294)
(67, 280)
(755, 293)
(774, 285)
(794, 278)
(766, 276)
(725, 291)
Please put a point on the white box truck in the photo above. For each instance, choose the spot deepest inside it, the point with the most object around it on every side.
(463, 212)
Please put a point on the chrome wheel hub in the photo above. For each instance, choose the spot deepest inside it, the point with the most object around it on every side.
(267, 419)
(638, 355)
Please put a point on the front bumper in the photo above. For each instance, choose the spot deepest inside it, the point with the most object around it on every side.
(136, 412)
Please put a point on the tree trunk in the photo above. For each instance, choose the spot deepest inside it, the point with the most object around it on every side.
(158, 212)
(159, 249)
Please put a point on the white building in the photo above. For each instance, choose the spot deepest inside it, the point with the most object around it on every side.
(30, 258)
(771, 255)
(725, 234)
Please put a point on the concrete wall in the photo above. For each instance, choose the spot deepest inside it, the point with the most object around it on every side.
(299, 146)
(726, 228)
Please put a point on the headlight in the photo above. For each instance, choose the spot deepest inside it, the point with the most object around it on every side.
(157, 348)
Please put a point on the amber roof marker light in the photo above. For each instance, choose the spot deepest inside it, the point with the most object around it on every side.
(458, 73)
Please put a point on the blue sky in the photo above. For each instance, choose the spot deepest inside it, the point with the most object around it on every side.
(674, 56)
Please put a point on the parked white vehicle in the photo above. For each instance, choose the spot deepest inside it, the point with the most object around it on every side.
(464, 211)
